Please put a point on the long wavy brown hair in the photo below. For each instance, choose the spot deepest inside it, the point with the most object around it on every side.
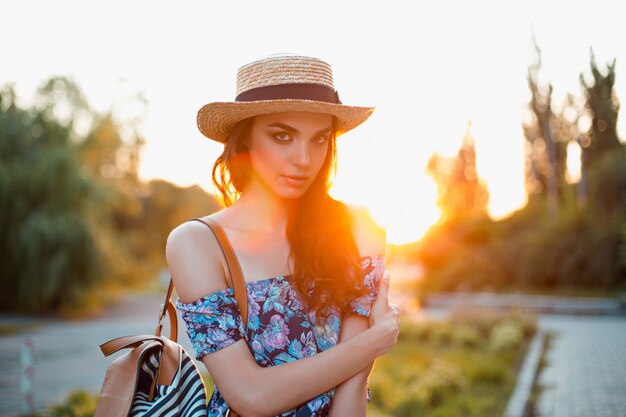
(327, 271)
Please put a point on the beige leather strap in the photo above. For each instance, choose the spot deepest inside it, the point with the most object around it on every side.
(168, 307)
(234, 269)
(121, 376)
(113, 345)
(119, 383)
(169, 357)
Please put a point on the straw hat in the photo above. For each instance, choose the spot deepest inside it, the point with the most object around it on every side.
(280, 83)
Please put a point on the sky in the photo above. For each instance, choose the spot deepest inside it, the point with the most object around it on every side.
(428, 67)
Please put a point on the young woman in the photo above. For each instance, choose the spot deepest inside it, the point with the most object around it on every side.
(314, 272)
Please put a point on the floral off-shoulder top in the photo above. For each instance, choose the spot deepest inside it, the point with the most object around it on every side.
(280, 328)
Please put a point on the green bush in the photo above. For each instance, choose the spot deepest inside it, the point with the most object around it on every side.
(582, 247)
(79, 403)
(48, 258)
(430, 388)
(505, 336)
(452, 367)
(466, 336)
(441, 334)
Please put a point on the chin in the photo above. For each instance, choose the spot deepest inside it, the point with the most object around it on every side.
(291, 195)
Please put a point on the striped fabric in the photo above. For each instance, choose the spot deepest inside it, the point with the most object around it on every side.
(186, 397)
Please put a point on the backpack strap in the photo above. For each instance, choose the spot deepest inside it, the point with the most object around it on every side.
(167, 308)
(235, 276)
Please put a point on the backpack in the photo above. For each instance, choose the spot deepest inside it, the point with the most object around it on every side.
(156, 378)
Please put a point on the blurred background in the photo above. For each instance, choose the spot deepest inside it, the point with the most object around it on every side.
(495, 160)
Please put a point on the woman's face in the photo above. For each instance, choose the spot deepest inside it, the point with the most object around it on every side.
(287, 151)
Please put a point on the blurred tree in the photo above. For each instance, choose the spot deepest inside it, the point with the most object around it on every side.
(60, 99)
(134, 218)
(165, 207)
(603, 153)
(566, 132)
(48, 258)
(116, 214)
(603, 107)
(462, 194)
(76, 223)
(584, 247)
(546, 150)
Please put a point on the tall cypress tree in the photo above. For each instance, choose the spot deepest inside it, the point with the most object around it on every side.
(546, 151)
(603, 106)
(462, 194)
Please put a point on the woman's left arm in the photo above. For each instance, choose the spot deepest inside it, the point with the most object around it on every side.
(350, 397)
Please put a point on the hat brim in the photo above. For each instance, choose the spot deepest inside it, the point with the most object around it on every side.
(216, 120)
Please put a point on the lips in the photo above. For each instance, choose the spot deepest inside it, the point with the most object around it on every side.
(295, 180)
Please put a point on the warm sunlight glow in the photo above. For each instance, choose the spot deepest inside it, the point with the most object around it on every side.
(405, 216)
(385, 174)
(573, 173)
(424, 91)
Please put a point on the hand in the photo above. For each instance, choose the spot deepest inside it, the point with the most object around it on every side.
(384, 316)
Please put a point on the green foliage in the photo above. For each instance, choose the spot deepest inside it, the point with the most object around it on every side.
(577, 250)
(47, 256)
(505, 336)
(77, 225)
(459, 374)
(581, 248)
(607, 183)
(429, 389)
(466, 336)
(79, 403)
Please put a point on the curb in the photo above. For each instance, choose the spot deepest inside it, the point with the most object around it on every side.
(519, 399)
(543, 304)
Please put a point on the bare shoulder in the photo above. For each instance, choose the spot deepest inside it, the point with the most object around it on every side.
(195, 261)
(371, 239)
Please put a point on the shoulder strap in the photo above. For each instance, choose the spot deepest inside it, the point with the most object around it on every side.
(168, 308)
(235, 276)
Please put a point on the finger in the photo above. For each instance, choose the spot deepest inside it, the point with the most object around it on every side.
(383, 289)
(394, 309)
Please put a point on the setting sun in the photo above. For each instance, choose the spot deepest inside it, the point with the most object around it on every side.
(401, 200)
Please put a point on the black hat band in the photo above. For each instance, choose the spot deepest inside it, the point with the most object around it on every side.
(314, 92)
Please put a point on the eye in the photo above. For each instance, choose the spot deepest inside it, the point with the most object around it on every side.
(282, 136)
(321, 139)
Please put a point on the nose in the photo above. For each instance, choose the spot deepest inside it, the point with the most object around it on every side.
(302, 154)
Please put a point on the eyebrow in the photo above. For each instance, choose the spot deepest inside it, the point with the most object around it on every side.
(292, 129)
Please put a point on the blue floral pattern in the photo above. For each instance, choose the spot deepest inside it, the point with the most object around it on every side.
(280, 328)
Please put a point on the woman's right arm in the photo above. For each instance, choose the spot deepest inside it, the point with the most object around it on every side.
(197, 268)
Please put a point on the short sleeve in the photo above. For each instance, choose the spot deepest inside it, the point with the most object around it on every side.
(373, 269)
(213, 322)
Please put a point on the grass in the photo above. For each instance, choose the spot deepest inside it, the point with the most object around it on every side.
(465, 366)
(7, 329)
(79, 403)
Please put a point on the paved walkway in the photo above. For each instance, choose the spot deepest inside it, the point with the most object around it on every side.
(586, 371)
